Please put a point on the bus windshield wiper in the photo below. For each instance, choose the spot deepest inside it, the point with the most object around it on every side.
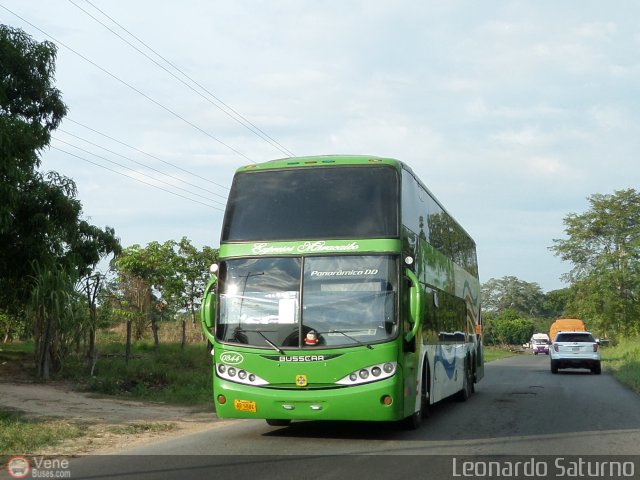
(259, 332)
(351, 338)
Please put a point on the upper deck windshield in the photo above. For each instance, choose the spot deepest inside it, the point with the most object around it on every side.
(346, 300)
(313, 202)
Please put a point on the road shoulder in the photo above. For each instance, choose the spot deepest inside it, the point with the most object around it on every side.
(111, 424)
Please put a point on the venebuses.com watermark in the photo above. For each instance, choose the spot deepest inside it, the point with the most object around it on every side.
(560, 467)
(38, 467)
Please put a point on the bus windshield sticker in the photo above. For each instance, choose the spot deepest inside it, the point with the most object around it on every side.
(287, 308)
(353, 333)
(345, 273)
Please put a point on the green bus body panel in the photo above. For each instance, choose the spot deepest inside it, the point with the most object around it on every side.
(336, 402)
(362, 402)
(319, 247)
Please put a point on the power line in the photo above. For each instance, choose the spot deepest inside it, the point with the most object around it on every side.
(144, 153)
(138, 163)
(115, 153)
(227, 110)
(131, 169)
(136, 179)
(167, 109)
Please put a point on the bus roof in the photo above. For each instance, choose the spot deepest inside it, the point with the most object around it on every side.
(320, 160)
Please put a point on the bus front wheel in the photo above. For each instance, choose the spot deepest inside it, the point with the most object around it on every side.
(414, 421)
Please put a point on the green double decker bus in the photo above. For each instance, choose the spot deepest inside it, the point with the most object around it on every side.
(344, 291)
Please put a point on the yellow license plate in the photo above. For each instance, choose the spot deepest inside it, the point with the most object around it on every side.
(245, 405)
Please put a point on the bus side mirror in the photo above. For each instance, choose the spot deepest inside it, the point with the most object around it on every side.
(416, 302)
(208, 308)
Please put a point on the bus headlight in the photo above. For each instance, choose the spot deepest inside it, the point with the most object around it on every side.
(239, 376)
(369, 374)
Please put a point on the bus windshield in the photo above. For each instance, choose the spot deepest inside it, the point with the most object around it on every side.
(311, 203)
(345, 300)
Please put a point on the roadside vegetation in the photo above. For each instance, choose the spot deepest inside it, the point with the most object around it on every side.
(492, 353)
(172, 374)
(623, 361)
(23, 435)
(169, 373)
(19, 434)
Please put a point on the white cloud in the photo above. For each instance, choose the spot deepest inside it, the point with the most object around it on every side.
(529, 137)
(609, 117)
(599, 31)
(387, 136)
(461, 84)
(478, 107)
(542, 166)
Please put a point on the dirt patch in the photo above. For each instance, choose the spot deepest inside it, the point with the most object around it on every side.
(112, 424)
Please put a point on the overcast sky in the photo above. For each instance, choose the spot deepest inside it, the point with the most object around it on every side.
(511, 112)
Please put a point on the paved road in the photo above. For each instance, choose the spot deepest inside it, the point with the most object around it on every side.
(519, 408)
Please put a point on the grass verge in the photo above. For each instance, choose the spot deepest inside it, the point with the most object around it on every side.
(170, 375)
(22, 435)
(623, 361)
(138, 428)
(492, 353)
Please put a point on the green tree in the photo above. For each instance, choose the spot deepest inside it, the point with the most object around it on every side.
(55, 306)
(555, 303)
(163, 279)
(603, 246)
(192, 271)
(512, 293)
(30, 109)
(43, 238)
(137, 271)
(91, 246)
(6, 327)
(32, 203)
(508, 328)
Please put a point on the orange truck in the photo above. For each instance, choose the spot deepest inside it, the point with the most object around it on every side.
(566, 325)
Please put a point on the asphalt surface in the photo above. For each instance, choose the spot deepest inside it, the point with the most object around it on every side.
(519, 413)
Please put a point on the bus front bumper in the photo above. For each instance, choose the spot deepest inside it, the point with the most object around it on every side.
(376, 401)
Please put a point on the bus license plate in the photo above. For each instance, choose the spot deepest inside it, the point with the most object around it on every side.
(245, 406)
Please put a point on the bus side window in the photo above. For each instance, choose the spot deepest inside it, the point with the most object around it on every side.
(429, 332)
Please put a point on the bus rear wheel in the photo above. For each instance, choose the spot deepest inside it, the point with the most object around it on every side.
(274, 422)
(467, 384)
